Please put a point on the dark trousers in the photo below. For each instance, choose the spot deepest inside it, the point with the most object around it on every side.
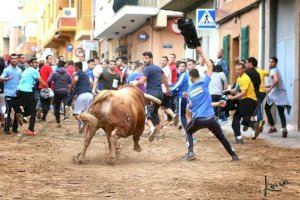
(45, 105)
(280, 112)
(152, 110)
(211, 124)
(11, 103)
(244, 110)
(219, 112)
(258, 111)
(28, 101)
(182, 111)
(57, 100)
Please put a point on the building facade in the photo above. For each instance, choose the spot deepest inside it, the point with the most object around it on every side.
(63, 26)
(207, 37)
(264, 28)
(128, 28)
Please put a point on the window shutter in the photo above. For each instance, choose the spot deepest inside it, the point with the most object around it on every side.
(226, 41)
(245, 43)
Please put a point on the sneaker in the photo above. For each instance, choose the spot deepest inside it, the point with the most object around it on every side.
(152, 134)
(175, 120)
(272, 130)
(245, 128)
(239, 141)
(58, 125)
(30, 133)
(284, 133)
(19, 119)
(189, 156)
(256, 130)
(235, 158)
(67, 109)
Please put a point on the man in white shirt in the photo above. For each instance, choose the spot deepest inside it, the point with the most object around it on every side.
(168, 100)
(81, 57)
(97, 71)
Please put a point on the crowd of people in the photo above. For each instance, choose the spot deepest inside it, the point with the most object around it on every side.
(194, 94)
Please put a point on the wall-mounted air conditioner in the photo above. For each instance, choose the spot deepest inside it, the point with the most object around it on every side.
(69, 12)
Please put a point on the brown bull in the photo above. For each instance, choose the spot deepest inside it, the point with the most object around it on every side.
(120, 113)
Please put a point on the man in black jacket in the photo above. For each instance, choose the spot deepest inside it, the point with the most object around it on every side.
(251, 64)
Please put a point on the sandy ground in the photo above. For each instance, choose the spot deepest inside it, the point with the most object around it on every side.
(41, 167)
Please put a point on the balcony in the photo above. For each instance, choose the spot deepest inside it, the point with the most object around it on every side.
(130, 15)
(66, 20)
(62, 29)
(118, 4)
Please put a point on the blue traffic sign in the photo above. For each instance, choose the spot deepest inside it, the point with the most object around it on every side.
(206, 18)
(69, 47)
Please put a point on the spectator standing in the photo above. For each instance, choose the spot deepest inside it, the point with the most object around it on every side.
(173, 67)
(81, 57)
(221, 61)
(110, 79)
(276, 94)
(217, 84)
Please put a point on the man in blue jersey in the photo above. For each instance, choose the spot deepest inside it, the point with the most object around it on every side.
(203, 115)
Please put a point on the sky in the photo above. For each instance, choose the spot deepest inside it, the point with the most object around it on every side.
(8, 10)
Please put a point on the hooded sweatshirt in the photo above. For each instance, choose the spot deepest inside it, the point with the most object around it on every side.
(61, 80)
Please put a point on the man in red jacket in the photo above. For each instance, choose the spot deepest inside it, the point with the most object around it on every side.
(173, 67)
(45, 72)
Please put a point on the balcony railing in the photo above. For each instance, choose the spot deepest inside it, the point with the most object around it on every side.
(118, 4)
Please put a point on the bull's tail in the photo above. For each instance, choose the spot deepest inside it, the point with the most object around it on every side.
(89, 119)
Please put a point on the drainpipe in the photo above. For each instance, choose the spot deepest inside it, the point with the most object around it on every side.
(262, 32)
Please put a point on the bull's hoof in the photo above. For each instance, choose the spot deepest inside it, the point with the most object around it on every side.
(77, 159)
(111, 161)
(137, 148)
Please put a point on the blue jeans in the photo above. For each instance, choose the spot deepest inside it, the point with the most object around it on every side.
(258, 110)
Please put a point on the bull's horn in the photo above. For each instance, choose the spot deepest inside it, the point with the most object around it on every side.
(152, 98)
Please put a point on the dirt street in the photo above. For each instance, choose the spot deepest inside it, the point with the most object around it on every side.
(41, 167)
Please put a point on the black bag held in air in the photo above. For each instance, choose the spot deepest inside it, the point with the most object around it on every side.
(187, 28)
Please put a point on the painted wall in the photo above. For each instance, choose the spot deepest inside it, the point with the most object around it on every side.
(233, 28)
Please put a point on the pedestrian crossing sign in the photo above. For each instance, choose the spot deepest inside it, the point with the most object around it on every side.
(206, 18)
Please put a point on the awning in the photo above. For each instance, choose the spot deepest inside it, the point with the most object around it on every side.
(182, 6)
(126, 20)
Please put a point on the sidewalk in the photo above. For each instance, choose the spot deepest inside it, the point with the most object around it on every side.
(292, 141)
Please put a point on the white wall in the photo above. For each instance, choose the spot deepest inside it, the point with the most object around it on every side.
(103, 14)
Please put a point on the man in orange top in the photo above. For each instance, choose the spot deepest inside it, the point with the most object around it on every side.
(45, 72)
